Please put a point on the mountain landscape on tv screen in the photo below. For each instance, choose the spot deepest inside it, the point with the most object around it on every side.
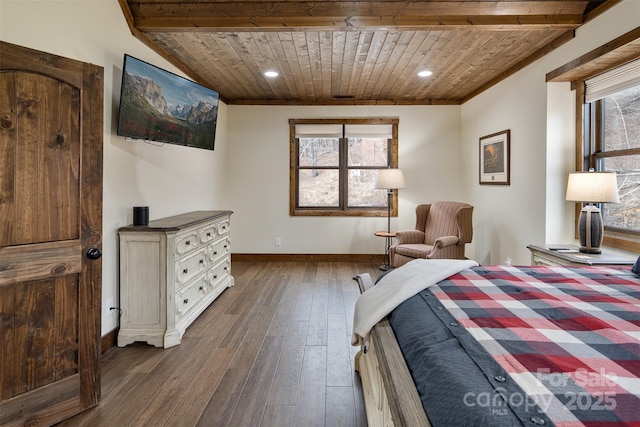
(146, 114)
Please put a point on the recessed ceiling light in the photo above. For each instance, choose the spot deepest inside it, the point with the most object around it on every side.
(425, 73)
(271, 73)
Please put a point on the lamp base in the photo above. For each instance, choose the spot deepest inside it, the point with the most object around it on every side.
(590, 229)
(586, 250)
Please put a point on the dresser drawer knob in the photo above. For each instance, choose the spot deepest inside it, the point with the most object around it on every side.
(185, 301)
(201, 261)
(188, 242)
(215, 252)
(209, 234)
(201, 288)
(185, 271)
(215, 276)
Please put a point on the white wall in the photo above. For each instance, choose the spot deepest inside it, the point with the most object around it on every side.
(507, 218)
(560, 160)
(532, 209)
(429, 154)
(169, 179)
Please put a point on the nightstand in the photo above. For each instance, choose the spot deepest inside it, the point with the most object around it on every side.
(570, 255)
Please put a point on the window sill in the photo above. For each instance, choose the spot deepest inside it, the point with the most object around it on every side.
(624, 242)
(330, 212)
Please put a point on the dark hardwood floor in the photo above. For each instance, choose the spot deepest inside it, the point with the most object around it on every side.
(274, 350)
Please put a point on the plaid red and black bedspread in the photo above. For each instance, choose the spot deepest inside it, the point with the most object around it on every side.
(569, 337)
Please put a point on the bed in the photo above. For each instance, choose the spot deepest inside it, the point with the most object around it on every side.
(500, 346)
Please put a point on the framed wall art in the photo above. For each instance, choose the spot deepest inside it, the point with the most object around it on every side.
(495, 165)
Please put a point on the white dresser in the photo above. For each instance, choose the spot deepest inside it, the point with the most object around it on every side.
(170, 271)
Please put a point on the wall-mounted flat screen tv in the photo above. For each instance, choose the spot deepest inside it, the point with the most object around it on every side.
(157, 105)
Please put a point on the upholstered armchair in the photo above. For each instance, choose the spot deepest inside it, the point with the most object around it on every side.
(442, 230)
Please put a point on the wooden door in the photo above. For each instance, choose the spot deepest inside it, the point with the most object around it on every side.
(51, 131)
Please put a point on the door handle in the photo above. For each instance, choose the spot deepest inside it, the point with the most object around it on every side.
(94, 253)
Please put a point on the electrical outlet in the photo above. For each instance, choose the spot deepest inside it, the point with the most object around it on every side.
(278, 241)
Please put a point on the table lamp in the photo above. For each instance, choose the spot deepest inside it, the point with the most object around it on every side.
(389, 179)
(589, 188)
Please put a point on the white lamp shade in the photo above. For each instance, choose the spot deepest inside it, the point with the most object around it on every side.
(390, 179)
(592, 187)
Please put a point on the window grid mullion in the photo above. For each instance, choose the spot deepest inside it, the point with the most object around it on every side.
(617, 153)
(343, 174)
(296, 171)
(599, 135)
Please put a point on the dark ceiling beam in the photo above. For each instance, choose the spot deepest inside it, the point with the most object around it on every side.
(616, 52)
(151, 16)
(362, 8)
(422, 23)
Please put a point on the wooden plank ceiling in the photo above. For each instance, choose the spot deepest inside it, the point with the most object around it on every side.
(354, 52)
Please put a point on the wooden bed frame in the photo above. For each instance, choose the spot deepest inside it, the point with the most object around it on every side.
(390, 395)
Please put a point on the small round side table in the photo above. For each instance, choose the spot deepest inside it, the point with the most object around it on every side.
(389, 237)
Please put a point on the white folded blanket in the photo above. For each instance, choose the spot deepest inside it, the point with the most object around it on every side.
(397, 286)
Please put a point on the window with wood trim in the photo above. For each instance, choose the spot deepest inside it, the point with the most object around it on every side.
(611, 143)
(334, 163)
